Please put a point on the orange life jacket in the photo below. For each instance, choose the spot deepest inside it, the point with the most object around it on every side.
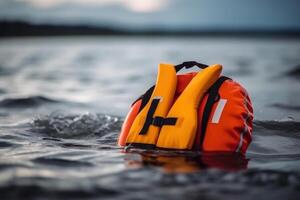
(225, 116)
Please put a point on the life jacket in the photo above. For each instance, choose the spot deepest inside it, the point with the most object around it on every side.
(201, 111)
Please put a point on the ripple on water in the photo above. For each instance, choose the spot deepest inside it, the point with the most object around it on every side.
(7, 144)
(295, 72)
(25, 102)
(285, 127)
(60, 162)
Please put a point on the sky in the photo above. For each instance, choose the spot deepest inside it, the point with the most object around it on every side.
(167, 14)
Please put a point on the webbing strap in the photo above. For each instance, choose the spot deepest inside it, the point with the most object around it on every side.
(160, 121)
(145, 98)
(212, 98)
(149, 116)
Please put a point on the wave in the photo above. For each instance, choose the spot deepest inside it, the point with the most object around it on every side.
(287, 126)
(25, 102)
(286, 106)
(74, 126)
(295, 72)
(6, 71)
(34, 190)
(6, 144)
(61, 162)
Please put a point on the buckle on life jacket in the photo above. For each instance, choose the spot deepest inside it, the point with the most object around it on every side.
(156, 121)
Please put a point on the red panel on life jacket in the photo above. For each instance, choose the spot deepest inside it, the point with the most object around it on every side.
(232, 131)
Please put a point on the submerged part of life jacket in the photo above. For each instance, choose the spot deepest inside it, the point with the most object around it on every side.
(193, 111)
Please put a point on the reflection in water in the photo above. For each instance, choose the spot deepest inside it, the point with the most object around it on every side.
(185, 162)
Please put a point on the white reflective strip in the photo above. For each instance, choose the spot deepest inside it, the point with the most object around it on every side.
(238, 149)
(218, 111)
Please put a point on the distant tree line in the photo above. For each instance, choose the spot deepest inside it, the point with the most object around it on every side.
(19, 28)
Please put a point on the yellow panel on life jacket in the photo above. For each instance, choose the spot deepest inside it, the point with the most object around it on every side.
(142, 131)
(185, 109)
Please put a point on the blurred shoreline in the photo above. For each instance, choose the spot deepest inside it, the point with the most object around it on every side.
(25, 29)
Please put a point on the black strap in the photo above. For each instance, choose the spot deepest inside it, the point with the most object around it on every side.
(149, 117)
(189, 64)
(147, 95)
(213, 97)
(160, 121)
(145, 98)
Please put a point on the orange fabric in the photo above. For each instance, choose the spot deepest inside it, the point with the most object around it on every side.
(128, 122)
(232, 133)
(234, 130)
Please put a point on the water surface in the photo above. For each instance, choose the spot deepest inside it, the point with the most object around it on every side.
(63, 100)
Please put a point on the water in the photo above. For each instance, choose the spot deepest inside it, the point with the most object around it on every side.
(63, 99)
